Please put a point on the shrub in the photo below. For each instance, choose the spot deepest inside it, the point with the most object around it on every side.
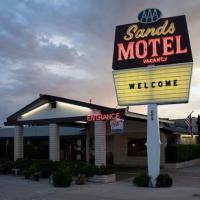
(103, 170)
(29, 171)
(23, 164)
(141, 180)
(164, 180)
(45, 167)
(182, 152)
(62, 177)
(6, 166)
(76, 168)
(89, 170)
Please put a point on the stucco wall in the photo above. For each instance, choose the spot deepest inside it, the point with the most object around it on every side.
(120, 149)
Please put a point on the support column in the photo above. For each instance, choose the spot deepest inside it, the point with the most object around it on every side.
(100, 143)
(153, 143)
(19, 142)
(87, 144)
(54, 142)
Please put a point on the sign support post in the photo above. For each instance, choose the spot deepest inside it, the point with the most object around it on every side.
(153, 144)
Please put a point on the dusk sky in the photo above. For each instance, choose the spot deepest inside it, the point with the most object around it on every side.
(65, 48)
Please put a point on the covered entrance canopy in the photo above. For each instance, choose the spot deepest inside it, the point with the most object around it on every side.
(58, 112)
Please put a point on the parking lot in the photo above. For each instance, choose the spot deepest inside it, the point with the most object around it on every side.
(186, 186)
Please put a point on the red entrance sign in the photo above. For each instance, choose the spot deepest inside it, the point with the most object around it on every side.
(104, 117)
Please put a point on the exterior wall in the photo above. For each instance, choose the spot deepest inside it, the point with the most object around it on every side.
(163, 140)
(118, 144)
(132, 129)
(121, 151)
(109, 144)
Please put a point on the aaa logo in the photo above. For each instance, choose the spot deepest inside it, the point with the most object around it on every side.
(149, 15)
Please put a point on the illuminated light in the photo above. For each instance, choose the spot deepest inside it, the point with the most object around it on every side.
(189, 136)
(104, 117)
(81, 122)
(141, 49)
(158, 84)
(72, 106)
(38, 109)
(161, 43)
(135, 32)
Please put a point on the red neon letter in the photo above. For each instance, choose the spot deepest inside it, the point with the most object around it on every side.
(137, 48)
(154, 43)
(113, 116)
(178, 45)
(167, 46)
(128, 53)
(117, 115)
(88, 118)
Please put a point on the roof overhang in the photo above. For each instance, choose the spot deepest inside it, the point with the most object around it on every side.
(129, 114)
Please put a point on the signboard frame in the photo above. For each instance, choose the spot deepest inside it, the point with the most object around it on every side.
(150, 102)
(135, 62)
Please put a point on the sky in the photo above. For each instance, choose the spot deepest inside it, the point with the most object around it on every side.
(65, 48)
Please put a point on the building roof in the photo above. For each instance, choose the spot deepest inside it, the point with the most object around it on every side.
(44, 98)
(42, 131)
(179, 126)
(173, 126)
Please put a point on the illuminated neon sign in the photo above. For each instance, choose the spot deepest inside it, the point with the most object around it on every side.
(149, 15)
(152, 60)
(163, 42)
(160, 84)
(104, 117)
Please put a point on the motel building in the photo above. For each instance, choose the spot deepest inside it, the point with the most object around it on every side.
(64, 129)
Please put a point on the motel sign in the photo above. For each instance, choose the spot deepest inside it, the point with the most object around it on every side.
(152, 64)
(152, 60)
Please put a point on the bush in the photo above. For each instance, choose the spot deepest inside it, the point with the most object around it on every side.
(164, 180)
(141, 180)
(45, 167)
(6, 166)
(62, 177)
(23, 164)
(182, 152)
(89, 170)
(30, 171)
(76, 168)
(103, 170)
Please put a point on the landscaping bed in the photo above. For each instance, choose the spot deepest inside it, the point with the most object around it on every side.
(60, 173)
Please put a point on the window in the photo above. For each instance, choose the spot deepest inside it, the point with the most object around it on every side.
(136, 147)
(187, 139)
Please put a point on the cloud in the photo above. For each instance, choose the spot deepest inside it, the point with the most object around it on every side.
(65, 48)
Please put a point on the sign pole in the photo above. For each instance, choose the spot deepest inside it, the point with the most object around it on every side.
(153, 144)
